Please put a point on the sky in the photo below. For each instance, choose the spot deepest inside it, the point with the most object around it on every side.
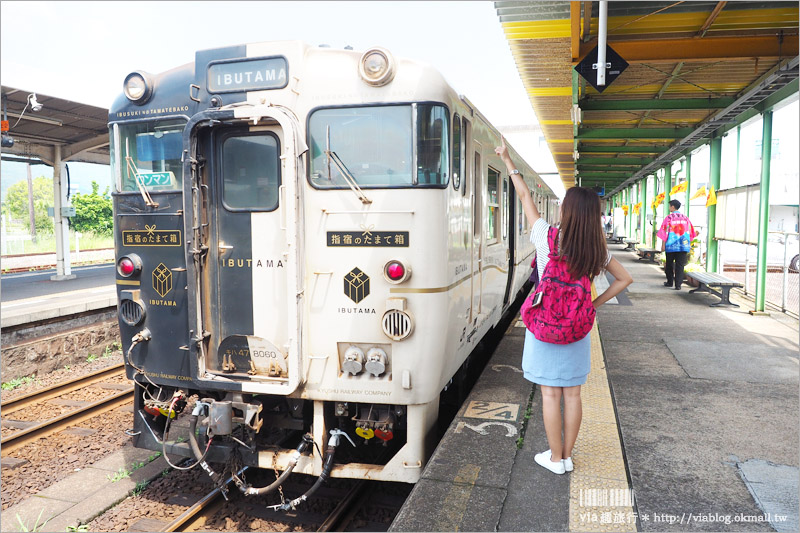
(82, 51)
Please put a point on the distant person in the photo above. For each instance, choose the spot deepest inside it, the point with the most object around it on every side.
(607, 222)
(676, 236)
(561, 369)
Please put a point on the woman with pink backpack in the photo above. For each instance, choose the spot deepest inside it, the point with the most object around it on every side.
(560, 312)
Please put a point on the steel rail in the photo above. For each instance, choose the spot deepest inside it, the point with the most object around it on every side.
(344, 512)
(21, 438)
(192, 516)
(15, 404)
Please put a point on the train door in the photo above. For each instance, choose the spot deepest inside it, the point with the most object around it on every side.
(477, 241)
(246, 305)
(509, 233)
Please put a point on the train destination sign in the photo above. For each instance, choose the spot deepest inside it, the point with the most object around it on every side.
(157, 179)
(247, 75)
(368, 238)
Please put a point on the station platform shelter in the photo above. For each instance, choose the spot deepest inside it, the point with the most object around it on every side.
(697, 103)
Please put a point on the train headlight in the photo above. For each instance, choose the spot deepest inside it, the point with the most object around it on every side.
(128, 265)
(396, 272)
(376, 67)
(138, 87)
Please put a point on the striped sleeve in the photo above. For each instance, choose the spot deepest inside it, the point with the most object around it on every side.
(539, 240)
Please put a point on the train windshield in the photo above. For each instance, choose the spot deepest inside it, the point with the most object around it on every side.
(151, 150)
(376, 144)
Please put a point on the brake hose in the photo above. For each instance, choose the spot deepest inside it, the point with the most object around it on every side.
(327, 466)
(249, 490)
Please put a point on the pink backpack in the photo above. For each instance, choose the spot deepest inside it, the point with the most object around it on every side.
(566, 314)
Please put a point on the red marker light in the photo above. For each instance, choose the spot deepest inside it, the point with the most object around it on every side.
(395, 270)
(127, 266)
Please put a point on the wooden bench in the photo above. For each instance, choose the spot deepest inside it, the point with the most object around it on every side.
(617, 239)
(631, 244)
(707, 280)
(648, 254)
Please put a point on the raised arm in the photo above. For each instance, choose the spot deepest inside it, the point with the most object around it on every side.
(522, 189)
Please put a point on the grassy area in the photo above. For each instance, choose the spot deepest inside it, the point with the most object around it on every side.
(22, 244)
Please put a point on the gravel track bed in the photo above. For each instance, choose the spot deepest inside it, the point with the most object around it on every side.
(51, 408)
(53, 458)
(169, 496)
(63, 374)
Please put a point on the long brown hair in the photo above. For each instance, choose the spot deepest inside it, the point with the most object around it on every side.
(581, 240)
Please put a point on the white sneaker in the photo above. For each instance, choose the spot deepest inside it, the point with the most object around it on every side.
(543, 459)
(568, 466)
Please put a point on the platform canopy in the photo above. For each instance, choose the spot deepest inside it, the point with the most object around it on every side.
(693, 68)
(80, 130)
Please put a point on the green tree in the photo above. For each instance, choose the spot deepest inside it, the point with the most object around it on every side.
(93, 212)
(17, 203)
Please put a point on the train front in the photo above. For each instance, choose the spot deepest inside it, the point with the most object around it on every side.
(261, 260)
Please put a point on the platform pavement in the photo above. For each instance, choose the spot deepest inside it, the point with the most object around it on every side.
(482, 476)
(705, 410)
(30, 310)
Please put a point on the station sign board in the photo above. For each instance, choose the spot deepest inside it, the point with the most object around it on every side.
(586, 67)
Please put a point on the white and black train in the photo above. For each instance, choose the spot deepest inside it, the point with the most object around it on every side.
(312, 241)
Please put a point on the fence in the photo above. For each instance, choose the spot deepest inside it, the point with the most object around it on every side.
(782, 290)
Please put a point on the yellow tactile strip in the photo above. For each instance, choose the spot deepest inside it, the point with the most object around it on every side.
(600, 497)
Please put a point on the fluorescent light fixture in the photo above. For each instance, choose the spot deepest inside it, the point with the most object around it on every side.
(43, 120)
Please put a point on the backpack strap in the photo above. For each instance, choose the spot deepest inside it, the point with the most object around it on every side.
(552, 241)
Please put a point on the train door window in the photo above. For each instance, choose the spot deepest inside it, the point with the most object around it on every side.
(504, 223)
(492, 201)
(476, 204)
(457, 172)
(433, 158)
(251, 172)
(153, 151)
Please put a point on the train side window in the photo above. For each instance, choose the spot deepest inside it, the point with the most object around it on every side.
(251, 172)
(457, 173)
(433, 147)
(476, 204)
(464, 163)
(492, 201)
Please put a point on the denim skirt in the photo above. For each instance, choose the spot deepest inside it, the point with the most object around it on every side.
(556, 365)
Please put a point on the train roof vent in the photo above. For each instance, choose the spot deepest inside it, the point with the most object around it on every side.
(397, 325)
(131, 312)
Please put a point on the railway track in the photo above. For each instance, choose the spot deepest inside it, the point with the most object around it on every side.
(44, 428)
(196, 517)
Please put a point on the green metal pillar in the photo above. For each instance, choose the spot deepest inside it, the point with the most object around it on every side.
(655, 218)
(714, 179)
(643, 209)
(630, 213)
(738, 152)
(763, 212)
(689, 191)
(667, 187)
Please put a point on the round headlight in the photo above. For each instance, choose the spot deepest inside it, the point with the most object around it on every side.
(376, 67)
(138, 87)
